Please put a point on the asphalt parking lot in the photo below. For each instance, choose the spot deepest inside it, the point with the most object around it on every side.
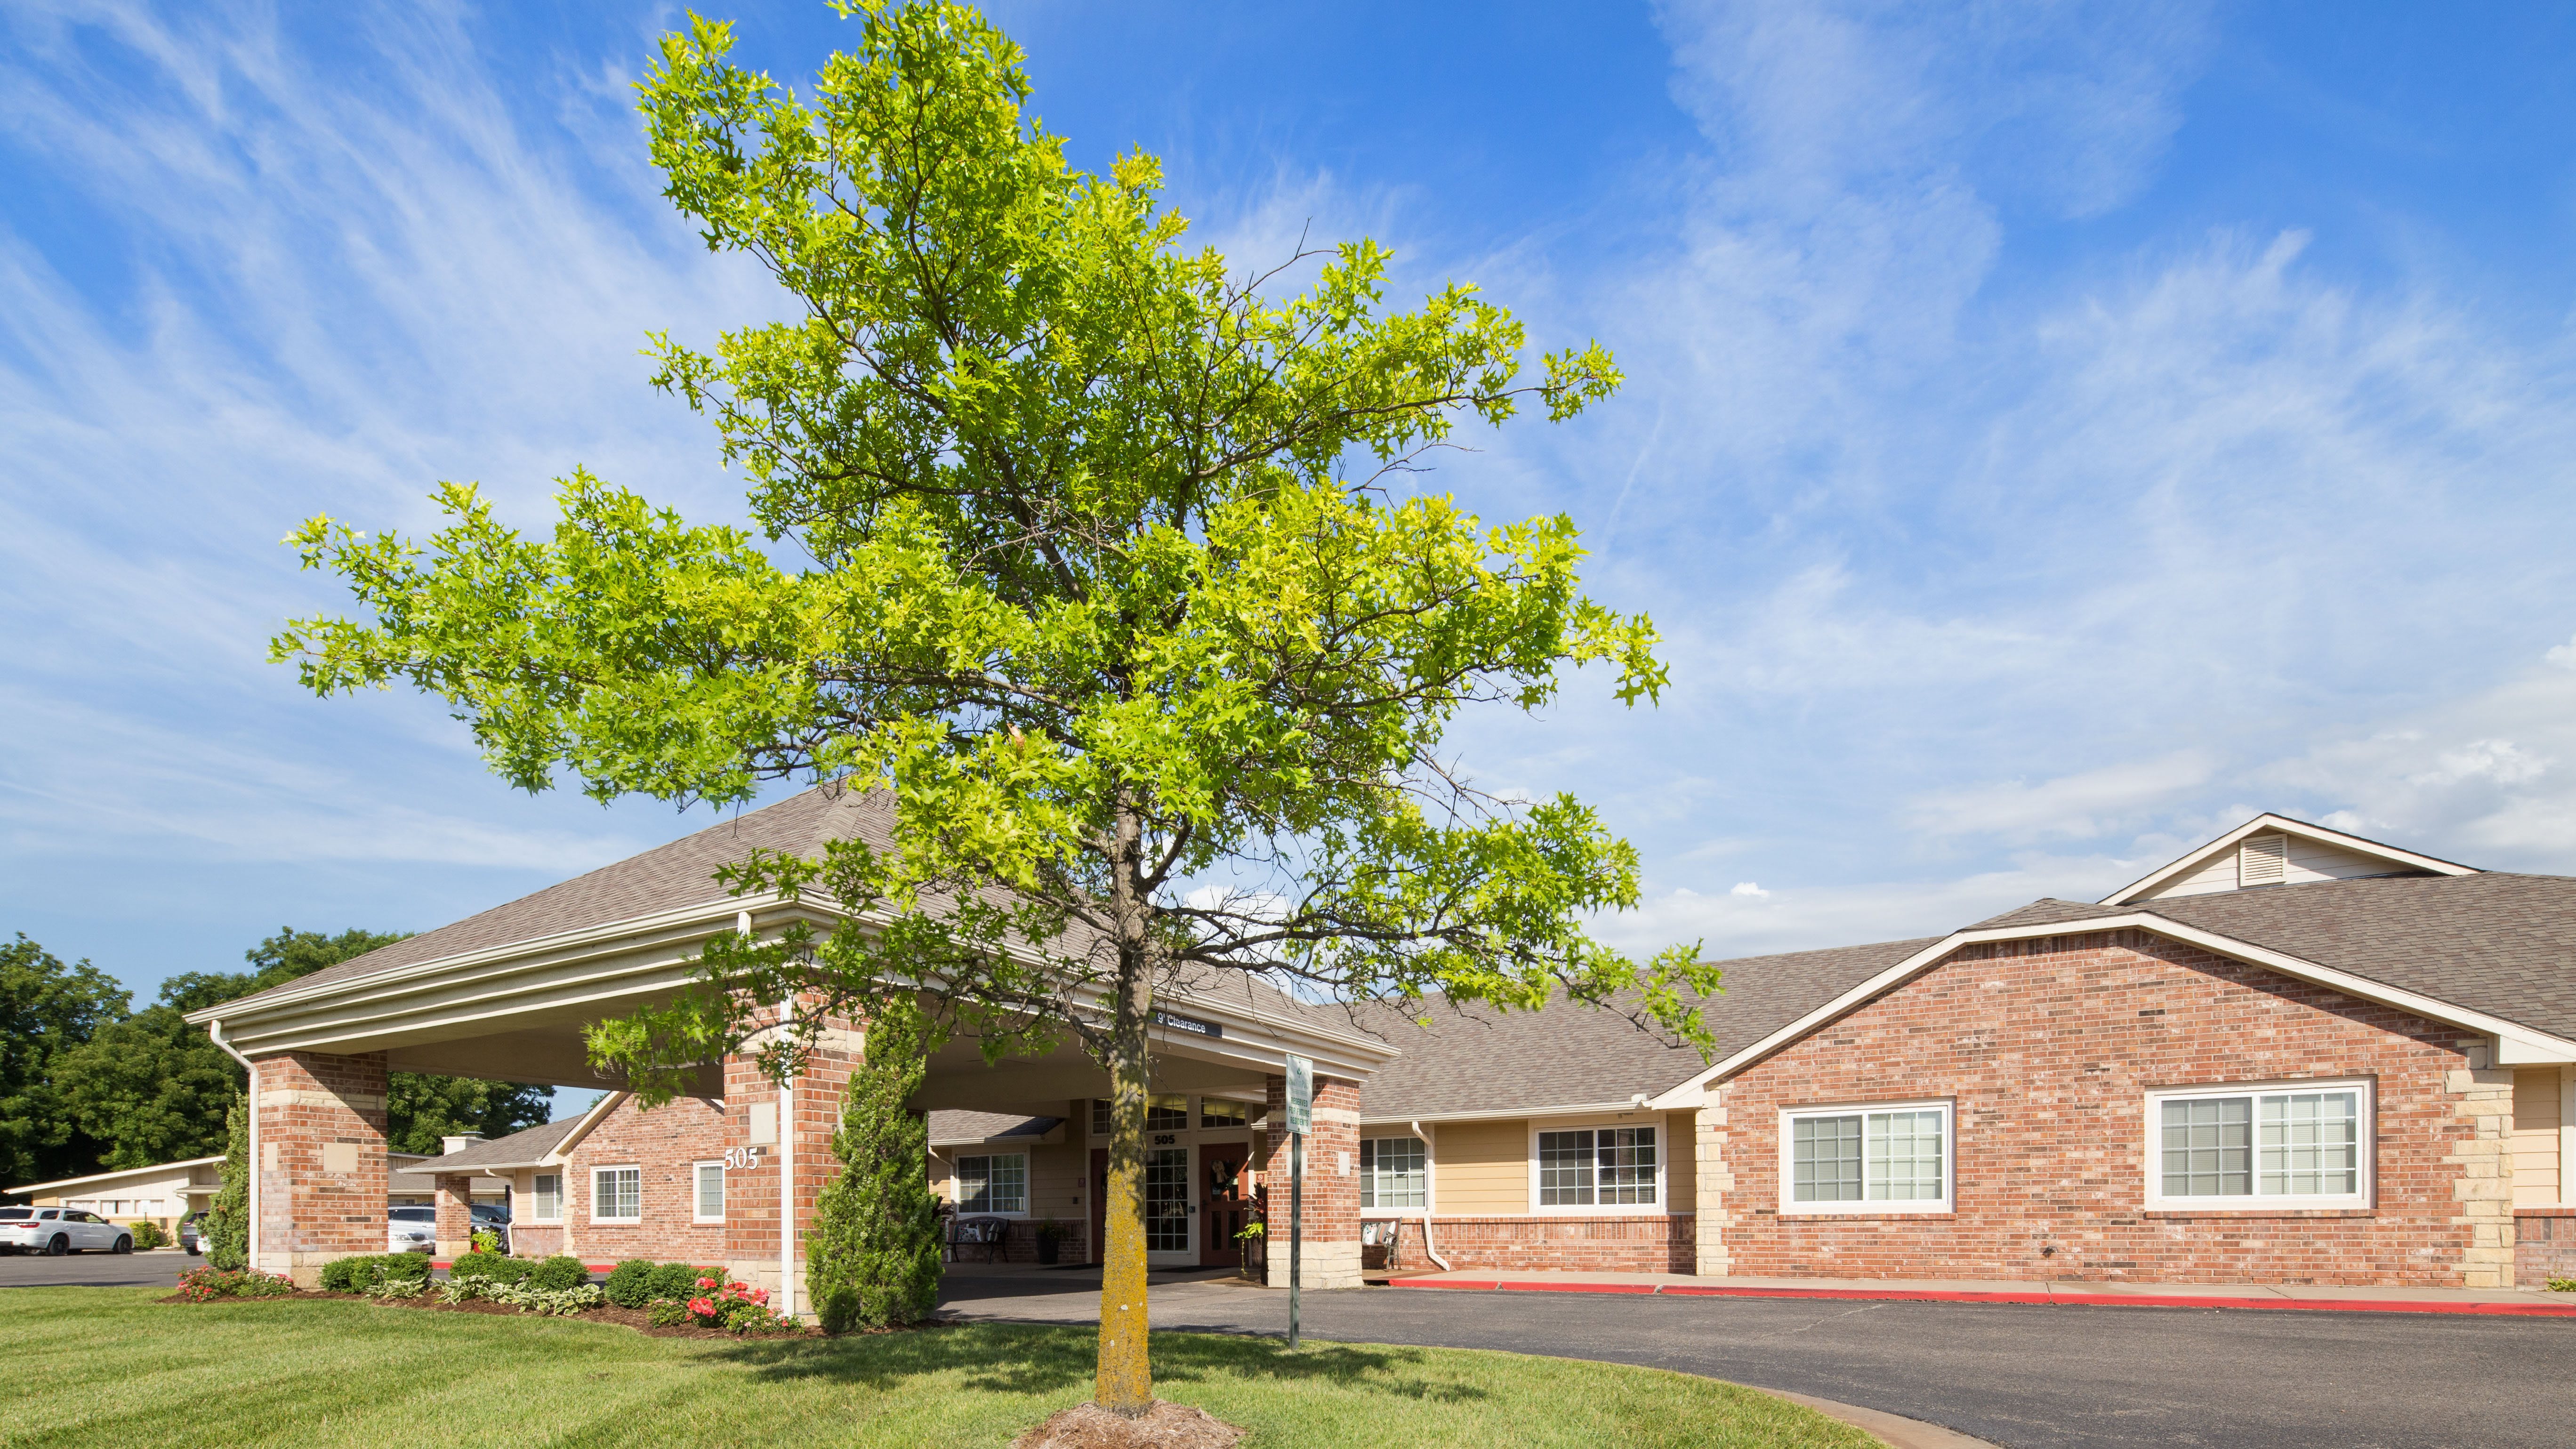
(95, 1270)
(2029, 1377)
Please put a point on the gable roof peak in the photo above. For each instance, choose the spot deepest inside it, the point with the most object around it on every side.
(2305, 851)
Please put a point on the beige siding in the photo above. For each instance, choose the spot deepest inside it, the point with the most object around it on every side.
(1482, 1167)
(1681, 1172)
(2535, 1137)
(1055, 1181)
(2308, 861)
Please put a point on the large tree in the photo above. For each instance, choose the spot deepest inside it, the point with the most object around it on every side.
(48, 1010)
(1107, 562)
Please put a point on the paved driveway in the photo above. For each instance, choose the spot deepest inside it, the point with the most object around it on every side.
(2026, 1377)
(95, 1270)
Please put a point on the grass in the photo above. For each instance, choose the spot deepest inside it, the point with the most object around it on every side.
(110, 1366)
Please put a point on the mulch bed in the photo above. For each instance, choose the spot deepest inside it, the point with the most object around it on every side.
(607, 1313)
(1166, 1426)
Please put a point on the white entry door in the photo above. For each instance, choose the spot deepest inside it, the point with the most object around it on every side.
(1171, 1227)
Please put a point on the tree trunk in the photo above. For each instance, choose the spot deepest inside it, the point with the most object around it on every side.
(1124, 1383)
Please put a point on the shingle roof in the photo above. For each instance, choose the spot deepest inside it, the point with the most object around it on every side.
(955, 1126)
(1567, 1054)
(2049, 911)
(665, 878)
(519, 1149)
(2500, 944)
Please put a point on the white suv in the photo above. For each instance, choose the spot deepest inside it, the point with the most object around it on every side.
(60, 1230)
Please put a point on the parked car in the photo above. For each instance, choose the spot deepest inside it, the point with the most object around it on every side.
(57, 1231)
(411, 1230)
(190, 1236)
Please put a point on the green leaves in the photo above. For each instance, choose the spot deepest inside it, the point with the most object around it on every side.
(1085, 545)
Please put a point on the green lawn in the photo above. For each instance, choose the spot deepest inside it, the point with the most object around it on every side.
(109, 1366)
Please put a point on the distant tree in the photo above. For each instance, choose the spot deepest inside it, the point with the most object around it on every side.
(47, 1009)
(872, 1255)
(421, 1109)
(226, 1229)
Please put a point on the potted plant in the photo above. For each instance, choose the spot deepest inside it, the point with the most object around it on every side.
(1050, 1233)
(1255, 1239)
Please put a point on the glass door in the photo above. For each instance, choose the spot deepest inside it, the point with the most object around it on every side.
(1167, 1207)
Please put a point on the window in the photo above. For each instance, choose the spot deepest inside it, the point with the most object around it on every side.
(1392, 1173)
(1217, 1112)
(617, 1194)
(1099, 1116)
(1167, 1112)
(1891, 1159)
(709, 1199)
(2297, 1145)
(1597, 1167)
(996, 1184)
(545, 1197)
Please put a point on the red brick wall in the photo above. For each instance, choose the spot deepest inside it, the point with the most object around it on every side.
(2544, 1246)
(308, 1101)
(2047, 1048)
(1656, 1243)
(665, 1142)
(751, 1194)
(1331, 1200)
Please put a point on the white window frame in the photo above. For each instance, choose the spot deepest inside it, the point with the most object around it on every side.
(1656, 1122)
(2365, 1140)
(633, 1167)
(957, 1184)
(1866, 1206)
(1430, 1188)
(534, 1198)
(697, 1190)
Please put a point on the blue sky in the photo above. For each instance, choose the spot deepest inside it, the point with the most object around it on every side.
(2054, 433)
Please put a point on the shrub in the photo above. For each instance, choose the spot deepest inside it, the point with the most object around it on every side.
(630, 1284)
(491, 1267)
(666, 1313)
(529, 1298)
(148, 1235)
(224, 1231)
(2562, 1285)
(486, 1241)
(715, 1303)
(558, 1273)
(198, 1285)
(368, 1274)
(872, 1256)
(678, 1280)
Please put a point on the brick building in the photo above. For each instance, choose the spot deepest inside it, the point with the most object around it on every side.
(2290, 1055)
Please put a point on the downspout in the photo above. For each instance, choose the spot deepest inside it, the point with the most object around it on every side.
(215, 1030)
(1430, 1174)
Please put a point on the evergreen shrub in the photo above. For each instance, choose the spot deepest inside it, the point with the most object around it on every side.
(558, 1273)
(872, 1255)
(630, 1284)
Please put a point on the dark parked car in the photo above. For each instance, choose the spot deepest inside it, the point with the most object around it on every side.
(191, 1237)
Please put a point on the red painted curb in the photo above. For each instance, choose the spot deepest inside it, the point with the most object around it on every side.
(1941, 1295)
(588, 1267)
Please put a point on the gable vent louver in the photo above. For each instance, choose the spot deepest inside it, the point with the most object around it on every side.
(2263, 860)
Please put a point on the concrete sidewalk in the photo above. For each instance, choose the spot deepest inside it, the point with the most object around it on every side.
(2519, 1302)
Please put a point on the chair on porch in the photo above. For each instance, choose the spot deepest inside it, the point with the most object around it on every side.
(989, 1234)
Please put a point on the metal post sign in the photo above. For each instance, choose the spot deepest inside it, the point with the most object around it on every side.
(1301, 1095)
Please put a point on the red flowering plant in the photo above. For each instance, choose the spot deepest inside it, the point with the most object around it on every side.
(733, 1307)
(200, 1285)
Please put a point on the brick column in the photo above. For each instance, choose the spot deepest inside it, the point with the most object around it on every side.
(1332, 1196)
(455, 1214)
(810, 1115)
(322, 1160)
(1716, 1188)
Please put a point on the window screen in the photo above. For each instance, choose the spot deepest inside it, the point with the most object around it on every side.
(710, 1190)
(2262, 1144)
(1860, 1157)
(996, 1184)
(1393, 1173)
(1604, 1165)
(617, 1192)
(546, 1196)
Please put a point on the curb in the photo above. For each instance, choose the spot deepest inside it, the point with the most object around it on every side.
(1941, 1295)
(1894, 1430)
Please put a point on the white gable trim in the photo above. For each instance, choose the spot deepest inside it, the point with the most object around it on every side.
(2516, 1045)
(608, 1102)
(2268, 823)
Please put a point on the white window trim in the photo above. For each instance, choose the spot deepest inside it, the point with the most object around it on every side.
(633, 1167)
(560, 1176)
(696, 1168)
(2366, 1140)
(1431, 1174)
(1662, 1206)
(957, 1184)
(1883, 1207)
